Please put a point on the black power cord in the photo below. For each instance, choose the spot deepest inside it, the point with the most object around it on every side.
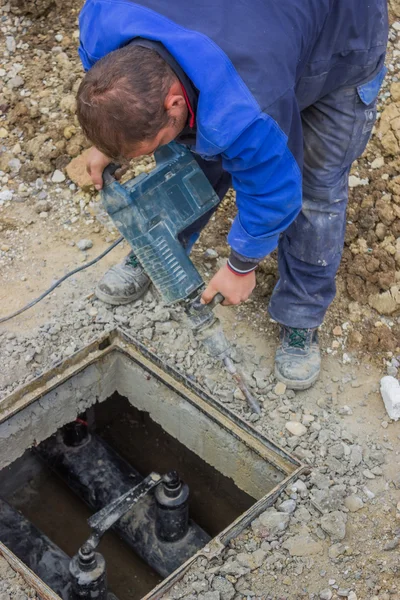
(59, 281)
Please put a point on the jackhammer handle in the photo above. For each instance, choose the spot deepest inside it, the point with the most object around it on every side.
(109, 172)
(218, 298)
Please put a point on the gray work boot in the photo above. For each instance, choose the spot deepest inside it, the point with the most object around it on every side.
(123, 283)
(298, 358)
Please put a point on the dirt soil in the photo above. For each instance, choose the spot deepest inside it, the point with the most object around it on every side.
(43, 217)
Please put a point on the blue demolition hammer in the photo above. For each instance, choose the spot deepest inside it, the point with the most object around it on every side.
(151, 211)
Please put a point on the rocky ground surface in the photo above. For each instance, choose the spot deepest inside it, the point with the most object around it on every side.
(12, 585)
(336, 532)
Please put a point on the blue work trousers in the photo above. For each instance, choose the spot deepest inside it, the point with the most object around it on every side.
(336, 130)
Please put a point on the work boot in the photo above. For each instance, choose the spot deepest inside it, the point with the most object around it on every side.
(123, 283)
(298, 358)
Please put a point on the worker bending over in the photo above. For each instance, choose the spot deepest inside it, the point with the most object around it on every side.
(276, 99)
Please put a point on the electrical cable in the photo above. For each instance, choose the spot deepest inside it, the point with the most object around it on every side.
(59, 281)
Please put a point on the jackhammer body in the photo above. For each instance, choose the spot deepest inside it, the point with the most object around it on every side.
(151, 211)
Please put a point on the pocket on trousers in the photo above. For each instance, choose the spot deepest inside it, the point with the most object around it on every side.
(364, 116)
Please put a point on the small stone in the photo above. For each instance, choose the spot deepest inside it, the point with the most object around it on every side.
(10, 43)
(368, 474)
(224, 587)
(392, 545)
(42, 206)
(210, 253)
(84, 244)
(337, 331)
(378, 162)
(384, 424)
(342, 593)
(352, 596)
(14, 165)
(58, 176)
(3, 133)
(302, 545)
(280, 388)
(296, 428)
(5, 196)
(148, 333)
(4, 248)
(271, 523)
(211, 596)
(325, 594)
(334, 524)
(336, 550)
(353, 503)
(15, 82)
(356, 181)
(251, 560)
(287, 506)
(59, 37)
(390, 392)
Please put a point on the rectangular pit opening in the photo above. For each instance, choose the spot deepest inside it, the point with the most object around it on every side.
(150, 419)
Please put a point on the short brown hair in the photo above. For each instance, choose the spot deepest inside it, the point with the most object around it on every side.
(121, 99)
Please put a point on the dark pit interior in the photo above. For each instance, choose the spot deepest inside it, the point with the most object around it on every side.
(46, 501)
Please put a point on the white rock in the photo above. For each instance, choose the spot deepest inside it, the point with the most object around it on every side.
(5, 196)
(356, 181)
(10, 43)
(58, 176)
(353, 503)
(280, 388)
(296, 428)
(84, 244)
(378, 162)
(352, 596)
(390, 392)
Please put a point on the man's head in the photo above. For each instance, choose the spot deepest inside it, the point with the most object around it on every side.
(131, 102)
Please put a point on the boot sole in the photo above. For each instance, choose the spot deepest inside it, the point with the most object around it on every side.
(299, 384)
(119, 300)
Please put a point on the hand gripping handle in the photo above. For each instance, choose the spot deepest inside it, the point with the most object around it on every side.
(218, 298)
(109, 172)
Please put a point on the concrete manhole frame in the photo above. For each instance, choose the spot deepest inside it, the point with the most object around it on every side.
(97, 367)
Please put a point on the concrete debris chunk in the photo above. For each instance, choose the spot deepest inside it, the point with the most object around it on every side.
(295, 428)
(84, 244)
(271, 523)
(302, 545)
(390, 392)
(334, 524)
(353, 503)
(325, 594)
(356, 181)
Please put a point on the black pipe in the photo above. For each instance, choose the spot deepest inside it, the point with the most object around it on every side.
(172, 499)
(88, 575)
(98, 475)
(35, 549)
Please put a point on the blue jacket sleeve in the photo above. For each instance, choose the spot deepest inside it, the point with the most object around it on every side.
(267, 180)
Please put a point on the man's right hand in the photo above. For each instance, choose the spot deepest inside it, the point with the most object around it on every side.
(95, 165)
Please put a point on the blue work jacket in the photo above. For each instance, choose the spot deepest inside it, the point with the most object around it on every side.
(256, 65)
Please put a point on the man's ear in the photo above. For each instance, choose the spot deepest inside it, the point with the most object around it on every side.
(174, 100)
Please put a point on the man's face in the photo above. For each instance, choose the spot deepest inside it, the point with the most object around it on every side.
(148, 147)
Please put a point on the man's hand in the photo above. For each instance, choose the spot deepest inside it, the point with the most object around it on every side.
(95, 165)
(234, 288)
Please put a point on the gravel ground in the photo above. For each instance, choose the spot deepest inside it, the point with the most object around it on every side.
(12, 585)
(336, 532)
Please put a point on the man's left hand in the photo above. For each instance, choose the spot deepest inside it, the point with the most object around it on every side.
(234, 288)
